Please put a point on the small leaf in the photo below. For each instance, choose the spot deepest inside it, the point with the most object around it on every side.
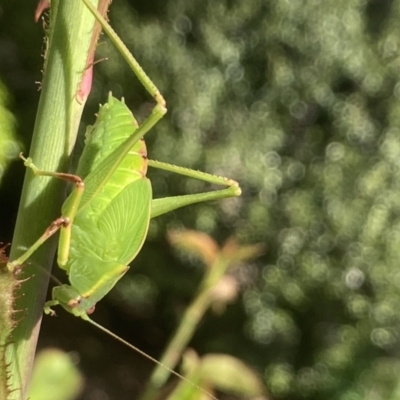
(217, 371)
(55, 376)
(195, 243)
(229, 374)
(10, 147)
(195, 388)
(238, 253)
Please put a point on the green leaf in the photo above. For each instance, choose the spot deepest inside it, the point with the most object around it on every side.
(55, 376)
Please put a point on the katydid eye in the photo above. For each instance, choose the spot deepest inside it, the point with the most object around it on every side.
(73, 303)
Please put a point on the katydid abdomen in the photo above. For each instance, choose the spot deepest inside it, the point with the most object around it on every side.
(112, 219)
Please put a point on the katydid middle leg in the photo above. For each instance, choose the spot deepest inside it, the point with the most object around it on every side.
(49, 232)
(63, 223)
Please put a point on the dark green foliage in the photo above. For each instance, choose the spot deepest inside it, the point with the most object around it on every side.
(300, 102)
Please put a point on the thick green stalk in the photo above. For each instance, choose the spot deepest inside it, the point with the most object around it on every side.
(70, 46)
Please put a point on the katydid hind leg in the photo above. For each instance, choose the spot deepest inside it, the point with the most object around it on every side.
(135, 66)
(167, 204)
(160, 108)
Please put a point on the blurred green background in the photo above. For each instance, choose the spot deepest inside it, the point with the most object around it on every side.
(300, 102)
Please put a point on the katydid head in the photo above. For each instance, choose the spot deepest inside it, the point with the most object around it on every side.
(75, 303)
(70, 299)
(88, 284)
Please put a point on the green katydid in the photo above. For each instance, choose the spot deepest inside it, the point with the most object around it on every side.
(105, 219)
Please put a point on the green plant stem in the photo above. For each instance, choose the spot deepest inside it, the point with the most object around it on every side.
(57, 122)
(190, 320)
